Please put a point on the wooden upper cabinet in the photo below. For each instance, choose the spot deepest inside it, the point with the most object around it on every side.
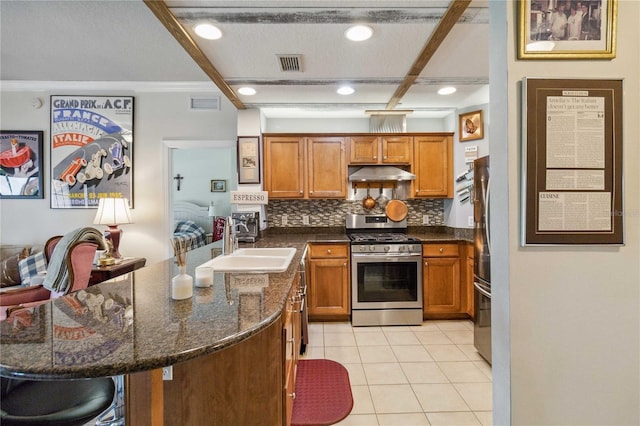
(380, 149)
(397, 149)
(433, 166)
(326, 167)
(284, 166)
(305, 167)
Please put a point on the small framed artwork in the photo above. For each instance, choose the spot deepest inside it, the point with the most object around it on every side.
(248, 159)
(218, 185)
(571, 30)
(471, 126)
(21, 164)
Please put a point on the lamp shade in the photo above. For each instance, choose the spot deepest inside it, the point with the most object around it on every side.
(113, 211)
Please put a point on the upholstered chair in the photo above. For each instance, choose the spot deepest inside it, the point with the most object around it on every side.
(79, 261)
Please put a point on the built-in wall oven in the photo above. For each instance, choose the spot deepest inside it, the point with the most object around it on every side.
(386, 272)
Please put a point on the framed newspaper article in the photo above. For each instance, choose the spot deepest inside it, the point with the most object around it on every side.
(248, 159)
(91, 150)
(572, 162)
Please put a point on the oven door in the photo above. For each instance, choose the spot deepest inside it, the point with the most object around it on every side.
(386, 281)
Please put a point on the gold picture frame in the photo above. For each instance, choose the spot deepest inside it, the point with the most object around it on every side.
(470, 126)
(541, 35)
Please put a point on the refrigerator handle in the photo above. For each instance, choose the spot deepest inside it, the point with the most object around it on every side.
(487, 214)
(481, 290)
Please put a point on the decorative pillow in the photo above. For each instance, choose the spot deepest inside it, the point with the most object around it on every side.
(9, 272)
(31, 266)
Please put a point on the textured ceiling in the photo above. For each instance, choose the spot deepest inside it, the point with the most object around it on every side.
(120, 41)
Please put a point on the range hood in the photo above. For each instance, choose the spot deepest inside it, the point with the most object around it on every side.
(380, 174)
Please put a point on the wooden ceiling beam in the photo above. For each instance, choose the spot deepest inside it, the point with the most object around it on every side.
(164, 15)
(455, 10)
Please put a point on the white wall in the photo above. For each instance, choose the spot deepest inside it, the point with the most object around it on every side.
(158, 116)
(574, 311)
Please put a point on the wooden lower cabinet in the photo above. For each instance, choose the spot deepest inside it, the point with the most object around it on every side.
(441, 282)
(249, 383)
(328, 293)
(468, 280)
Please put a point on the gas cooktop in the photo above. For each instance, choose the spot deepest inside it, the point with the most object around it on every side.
(382, 237)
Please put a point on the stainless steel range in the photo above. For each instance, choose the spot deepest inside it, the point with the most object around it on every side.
(386, 272)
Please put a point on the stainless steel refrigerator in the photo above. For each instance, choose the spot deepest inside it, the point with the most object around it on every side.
(482, 255)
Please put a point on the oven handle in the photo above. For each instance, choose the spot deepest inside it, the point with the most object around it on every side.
(386, 256)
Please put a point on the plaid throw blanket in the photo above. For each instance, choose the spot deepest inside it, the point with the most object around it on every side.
(57, 278)
(191, 234)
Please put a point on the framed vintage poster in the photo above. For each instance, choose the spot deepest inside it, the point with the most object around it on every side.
(572, 162)
(248, 159)
(470, 126)
(91, 150)
(21, 153)
(548, 30)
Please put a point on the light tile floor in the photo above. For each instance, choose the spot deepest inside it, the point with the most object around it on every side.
(409, 375)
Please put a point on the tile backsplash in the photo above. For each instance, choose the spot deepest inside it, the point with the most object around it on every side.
(331, 213)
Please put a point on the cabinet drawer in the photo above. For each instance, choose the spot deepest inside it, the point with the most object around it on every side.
(328, 250)
(440, 250)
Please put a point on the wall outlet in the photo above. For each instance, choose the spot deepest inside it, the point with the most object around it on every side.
(470, 221)
(305, 219)
(285, 219)
(167, 373)
(425, 219)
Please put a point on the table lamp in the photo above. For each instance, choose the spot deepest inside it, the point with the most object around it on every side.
(113, 212)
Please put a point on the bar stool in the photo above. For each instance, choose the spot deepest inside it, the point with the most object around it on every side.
(54, 402)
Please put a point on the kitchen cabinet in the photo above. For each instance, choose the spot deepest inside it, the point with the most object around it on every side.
(292, 338)
(370, 149)
(441, 281)
(328, 295)
(468, 280)
(433, 165)
(305, 167)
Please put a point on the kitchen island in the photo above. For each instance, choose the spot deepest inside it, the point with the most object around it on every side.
(225, 343)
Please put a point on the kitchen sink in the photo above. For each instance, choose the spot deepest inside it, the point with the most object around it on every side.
(276, 259)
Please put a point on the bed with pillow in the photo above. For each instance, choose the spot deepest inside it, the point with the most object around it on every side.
(192, 225)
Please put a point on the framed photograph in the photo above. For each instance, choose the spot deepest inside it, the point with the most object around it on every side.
(218, 185)
(572, 166)
(248, 159)
(471, 126)
(547, 32)
(91, 150)
(21, 153)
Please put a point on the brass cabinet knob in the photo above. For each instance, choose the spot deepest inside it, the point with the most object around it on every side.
(441, 250)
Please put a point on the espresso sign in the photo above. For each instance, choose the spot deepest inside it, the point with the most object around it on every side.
(249, 197)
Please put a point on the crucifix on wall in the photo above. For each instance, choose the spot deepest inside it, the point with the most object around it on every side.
(178, 179)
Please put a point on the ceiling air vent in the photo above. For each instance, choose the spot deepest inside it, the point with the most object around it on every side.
(290, 63)
(205, 104)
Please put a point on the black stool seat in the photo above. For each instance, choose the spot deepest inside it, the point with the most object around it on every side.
(54, 402)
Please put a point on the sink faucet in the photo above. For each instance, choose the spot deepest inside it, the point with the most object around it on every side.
(229, 237)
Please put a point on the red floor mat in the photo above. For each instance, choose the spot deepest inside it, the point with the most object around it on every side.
(323, 393)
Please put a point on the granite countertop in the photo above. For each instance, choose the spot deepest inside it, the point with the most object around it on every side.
(130, 323)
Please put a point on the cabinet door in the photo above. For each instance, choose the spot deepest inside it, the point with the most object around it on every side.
(329, 287)
(364, 150)
(291, 336)
(469, 282)
(441, 280)
(397, 149)
(433, 166)
(284, 167)
(326, 167)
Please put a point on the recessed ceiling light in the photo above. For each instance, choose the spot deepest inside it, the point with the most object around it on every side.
(447, 90)
(359, 33)
(248, 91)
(208, 31)
(345, 90)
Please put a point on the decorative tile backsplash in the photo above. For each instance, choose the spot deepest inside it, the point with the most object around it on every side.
(331, 213)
